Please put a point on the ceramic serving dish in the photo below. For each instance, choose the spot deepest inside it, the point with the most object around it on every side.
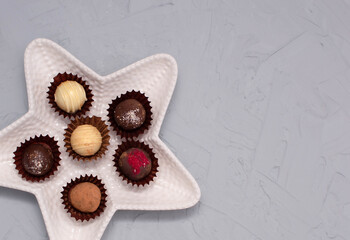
(173, 188)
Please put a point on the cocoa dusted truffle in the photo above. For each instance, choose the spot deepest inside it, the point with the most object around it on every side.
(135, 164)
(85, 197)
(70, 96)
(129, 114)
(37, 159)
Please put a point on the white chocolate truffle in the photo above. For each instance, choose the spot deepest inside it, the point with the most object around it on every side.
(86, 140)
(70, 96)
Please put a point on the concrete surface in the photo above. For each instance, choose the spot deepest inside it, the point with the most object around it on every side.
(260, 114)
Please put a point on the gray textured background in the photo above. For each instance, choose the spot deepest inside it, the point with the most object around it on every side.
(259, 116)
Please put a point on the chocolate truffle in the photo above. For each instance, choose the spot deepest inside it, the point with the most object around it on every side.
(85, 197)
(135, 163)
(37, 159)
(70, 96)
(129, 114)
(86, 140)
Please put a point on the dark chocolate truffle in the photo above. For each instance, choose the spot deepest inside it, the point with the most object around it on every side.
(37, 159)
(135, 163)
(129, 114)
(85, 197)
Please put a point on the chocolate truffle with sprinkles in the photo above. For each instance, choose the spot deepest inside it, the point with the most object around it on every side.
(37, 159)
(135, 163)
(129, 114)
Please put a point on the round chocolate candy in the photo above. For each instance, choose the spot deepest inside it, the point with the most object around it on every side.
(129, 114)
(135, 163)
(70, 96)
(85, 197)
(37, 159)
(86, 140)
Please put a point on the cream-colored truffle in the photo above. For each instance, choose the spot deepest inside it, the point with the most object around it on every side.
(86, 140)
(70, 96)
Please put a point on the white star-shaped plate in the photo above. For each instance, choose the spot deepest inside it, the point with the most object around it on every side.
(173, 188)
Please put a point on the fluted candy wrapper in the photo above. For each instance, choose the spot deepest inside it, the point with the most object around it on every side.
(78, 215)
(72, 100)
(18, 156)
(95, 122)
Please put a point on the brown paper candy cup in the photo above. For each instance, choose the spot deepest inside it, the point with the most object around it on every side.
(94, 121)
(78, 215)
(129, 134)
(62, 77)
(50, 141)
(136, 144)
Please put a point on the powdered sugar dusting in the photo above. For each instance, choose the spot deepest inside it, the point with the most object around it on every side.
(37, 164)
(131, 116)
